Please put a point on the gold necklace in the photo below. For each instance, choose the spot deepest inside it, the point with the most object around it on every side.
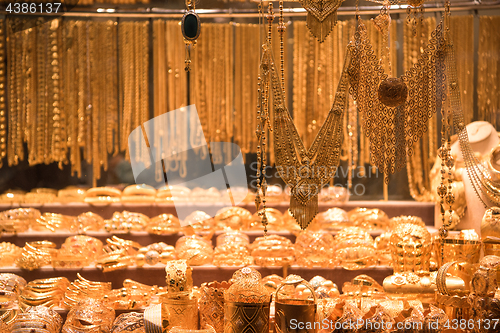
(3, 82)
(418, 164)
(488, 70)
(304, 171)
(321, 16)
(391, 120)
(70, 89)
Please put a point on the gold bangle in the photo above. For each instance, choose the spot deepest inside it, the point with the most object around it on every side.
(194, 249)
(164, 224)
(131, 322)
(53, 222)
(126, 221)
(86, 222)
(178, 277)
(91, 311)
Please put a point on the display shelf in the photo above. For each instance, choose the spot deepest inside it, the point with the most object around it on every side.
(424, 210)
(143, 237)
(155, 275)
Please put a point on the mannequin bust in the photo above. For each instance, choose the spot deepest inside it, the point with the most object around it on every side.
(483, 139)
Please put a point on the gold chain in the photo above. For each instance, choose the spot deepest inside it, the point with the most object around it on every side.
(3, 83)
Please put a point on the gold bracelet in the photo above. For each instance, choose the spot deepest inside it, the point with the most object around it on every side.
(178, 277)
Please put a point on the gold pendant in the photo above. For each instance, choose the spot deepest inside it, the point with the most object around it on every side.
(321, 16)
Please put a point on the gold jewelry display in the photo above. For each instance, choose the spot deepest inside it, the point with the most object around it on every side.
(292, 305)
(411, 248)
(181, 312)
(273, 217)
(126, 221)
(117, 254)
(490, 224)
(232, 254)
(52, 222)
(35, 255)
(87, 222)
(486, 187)
(18, 219)
(211, 88)
(155, 253)
(179, 278)
(133, 295)
(235, 218)
(354, 248)
(272, 251)
(170, 93)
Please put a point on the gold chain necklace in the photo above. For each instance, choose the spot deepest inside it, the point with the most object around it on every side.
(3, 123)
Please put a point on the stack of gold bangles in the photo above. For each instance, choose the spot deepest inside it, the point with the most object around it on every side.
(17, 220)
(46, 292)
(89, 315)
(133, 295)
(53, 222)
(82, 288)
(118, 253)
(36, 254)
(10, 288)
(9, 253)
(37, 319)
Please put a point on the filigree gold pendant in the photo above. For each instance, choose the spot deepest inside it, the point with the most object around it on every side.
(321, 16)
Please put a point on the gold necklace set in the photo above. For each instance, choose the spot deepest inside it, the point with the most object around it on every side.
(133, 50)
(35, 103)
(63, 96)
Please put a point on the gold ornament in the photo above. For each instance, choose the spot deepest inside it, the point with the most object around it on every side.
(321, 16)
